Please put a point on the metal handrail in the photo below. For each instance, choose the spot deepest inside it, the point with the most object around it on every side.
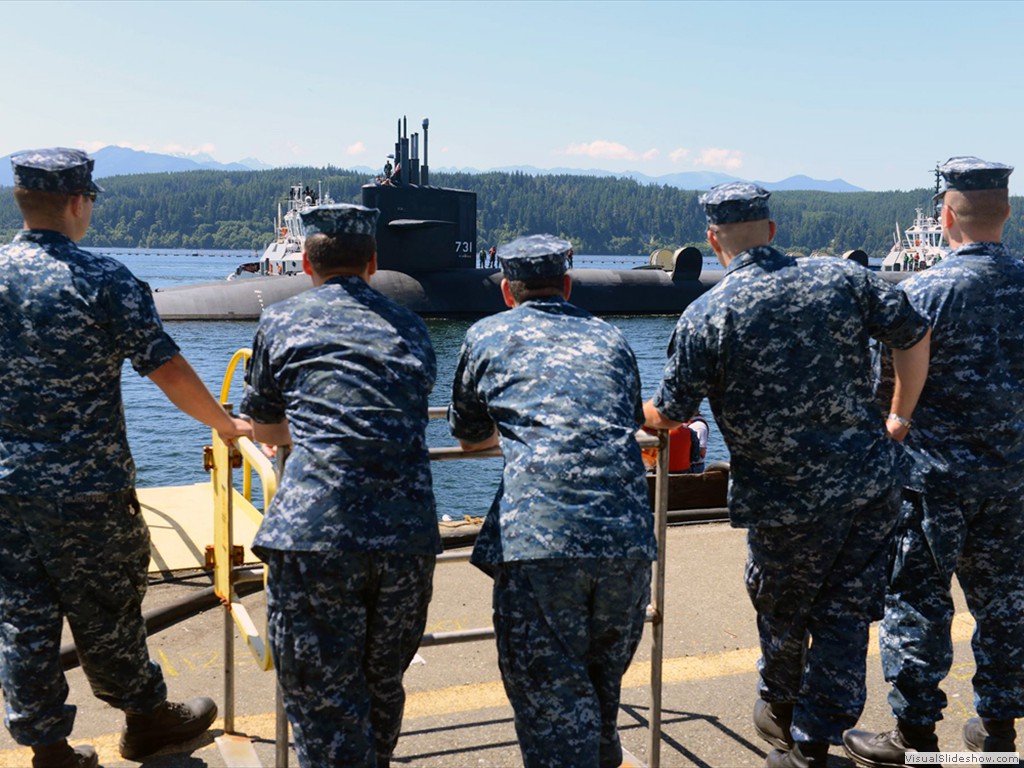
(253, 461)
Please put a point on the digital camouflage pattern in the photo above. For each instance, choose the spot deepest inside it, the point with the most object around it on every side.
(561, 661)
(968, 173)
(83, 558)
(527, 258)
(782, 349)
(340, 219)
(735, 202)
(63, 170)
(351, 370)
(563, 389)
(570, 535)
(343, 628)
(74, 544)
(351, 534)
(965, 511)
(68, 320)
(800, 444)
(826, 582)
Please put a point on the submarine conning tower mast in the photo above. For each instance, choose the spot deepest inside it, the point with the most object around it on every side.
(421, 228)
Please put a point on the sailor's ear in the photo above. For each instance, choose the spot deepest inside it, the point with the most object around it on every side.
(772, 229)
(566, 286)
(713, 241)
(506, 293)
(371, 265)
(946, 216)
(306, 266)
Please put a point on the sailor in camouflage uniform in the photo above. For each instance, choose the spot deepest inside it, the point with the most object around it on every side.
(569, 538)
(964, 509)
(781, 348)
(343, 373)
(74, 543)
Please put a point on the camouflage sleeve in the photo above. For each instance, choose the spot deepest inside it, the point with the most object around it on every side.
(136, 326)
(467, 414)
(263, 400)
(429, 358)
(687, 375)
(634, 383)
(890, 317)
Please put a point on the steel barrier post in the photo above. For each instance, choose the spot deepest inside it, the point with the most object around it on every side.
(280, 719)
(658, 600)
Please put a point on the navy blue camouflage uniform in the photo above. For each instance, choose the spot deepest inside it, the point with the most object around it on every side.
(351, 536)
(569, 537)
(964, 509)
(74, 542)
(781, 348)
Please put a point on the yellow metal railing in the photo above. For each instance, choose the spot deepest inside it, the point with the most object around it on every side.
(225, 553)
(252, 461)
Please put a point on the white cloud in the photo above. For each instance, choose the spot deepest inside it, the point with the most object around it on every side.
(727, 159)
(187, 151)
(679, 154)
(359, 148)
(602, 149)
(650, 154)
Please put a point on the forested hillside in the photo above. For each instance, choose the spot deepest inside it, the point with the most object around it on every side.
(217, 209)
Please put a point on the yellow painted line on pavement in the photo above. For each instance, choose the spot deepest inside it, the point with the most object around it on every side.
(166, 665)
(469, 698)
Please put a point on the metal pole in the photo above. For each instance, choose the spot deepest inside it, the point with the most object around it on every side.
(280, 718)
(229, 671)
(658, 601)
(280, 731)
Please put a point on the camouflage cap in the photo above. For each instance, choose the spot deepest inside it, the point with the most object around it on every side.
(54, 170)
(735, 202)
(534, 256)
(340, 219)
(968, 173)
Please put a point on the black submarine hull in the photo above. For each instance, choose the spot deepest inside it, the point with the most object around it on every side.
(442, 293)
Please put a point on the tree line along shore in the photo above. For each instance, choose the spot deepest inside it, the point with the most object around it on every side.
(604, 215)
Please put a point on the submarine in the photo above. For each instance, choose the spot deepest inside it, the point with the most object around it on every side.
(426, 260)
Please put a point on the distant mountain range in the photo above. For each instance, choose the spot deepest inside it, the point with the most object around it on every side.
(692, 180)
(120, 161)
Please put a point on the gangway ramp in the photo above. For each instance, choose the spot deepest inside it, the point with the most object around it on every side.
(181, 521)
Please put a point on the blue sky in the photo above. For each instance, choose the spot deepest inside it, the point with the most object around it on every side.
(874, 93)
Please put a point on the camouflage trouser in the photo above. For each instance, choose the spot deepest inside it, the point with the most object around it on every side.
(343, 628)
(84, 558)
(981, 539)
(816, 589)
(566, 631)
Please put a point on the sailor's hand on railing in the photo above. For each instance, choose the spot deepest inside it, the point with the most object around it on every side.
(239, 428)
(270, 451)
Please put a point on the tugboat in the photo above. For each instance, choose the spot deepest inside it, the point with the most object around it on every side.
(426, 246)
(920, 245)
(284, 254)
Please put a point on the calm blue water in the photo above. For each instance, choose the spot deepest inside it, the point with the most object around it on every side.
(167, 445)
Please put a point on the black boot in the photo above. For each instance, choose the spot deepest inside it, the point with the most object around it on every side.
(61, 755)
(804, 754)
(984, 735)
(888, 750)
(168, 724)
(772, 721)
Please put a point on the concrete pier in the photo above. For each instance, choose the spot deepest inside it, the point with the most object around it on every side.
(457, 714)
